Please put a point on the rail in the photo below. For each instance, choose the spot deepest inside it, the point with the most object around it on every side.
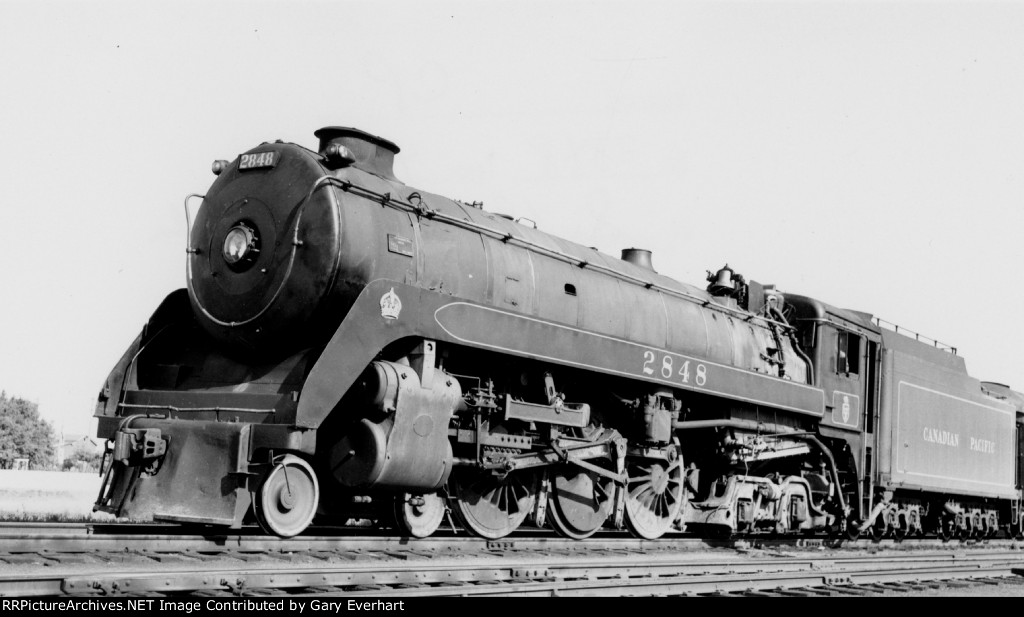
(888, 325)
(457, 566)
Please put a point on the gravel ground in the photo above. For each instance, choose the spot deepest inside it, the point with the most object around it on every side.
(1012, 588)
(128, 562)
(48, 495)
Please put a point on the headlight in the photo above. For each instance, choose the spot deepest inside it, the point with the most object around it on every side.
(241, 246)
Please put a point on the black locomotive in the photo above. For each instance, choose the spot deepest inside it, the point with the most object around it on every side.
(351, 347)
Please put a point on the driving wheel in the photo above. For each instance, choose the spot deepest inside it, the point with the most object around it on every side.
(654, 497)
(492, 506)
(579, 502)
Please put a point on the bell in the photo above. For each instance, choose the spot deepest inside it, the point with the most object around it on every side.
(721, 282)
(723, 278)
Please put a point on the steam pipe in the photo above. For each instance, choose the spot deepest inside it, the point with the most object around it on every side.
(774, 311)
(723, 423)
(873, 515)
(804, 357)
(757, 426)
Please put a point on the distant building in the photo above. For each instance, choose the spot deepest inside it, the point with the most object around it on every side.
(71, 442)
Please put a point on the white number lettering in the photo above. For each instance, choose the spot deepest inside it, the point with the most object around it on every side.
(257, 159)
(648, 359)
(666, 367)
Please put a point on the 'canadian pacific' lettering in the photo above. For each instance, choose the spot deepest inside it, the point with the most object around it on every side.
(945, 438)
(983, 445)
(951, 439)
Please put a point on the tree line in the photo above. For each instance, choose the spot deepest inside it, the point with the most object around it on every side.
(24, 434)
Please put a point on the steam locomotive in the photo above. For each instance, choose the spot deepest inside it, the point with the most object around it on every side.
(349, 347)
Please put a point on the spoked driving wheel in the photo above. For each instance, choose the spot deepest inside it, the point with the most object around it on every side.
(418, 515)
(580, 501)
(286, 500)
(654, 497)
(491, 506)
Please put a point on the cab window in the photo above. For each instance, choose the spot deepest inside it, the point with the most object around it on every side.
(848, 354)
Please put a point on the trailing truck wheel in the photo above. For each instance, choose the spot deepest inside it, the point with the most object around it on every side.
(418, 515)
(491, 506)
(286, 500)
(851, 529)
(654, 497)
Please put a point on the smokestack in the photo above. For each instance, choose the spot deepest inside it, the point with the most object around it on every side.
(370, 153)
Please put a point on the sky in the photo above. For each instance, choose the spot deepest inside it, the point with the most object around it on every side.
(868, 154)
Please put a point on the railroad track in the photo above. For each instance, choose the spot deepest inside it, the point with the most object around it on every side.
(55, 539)
(506, 575)
(46, 560)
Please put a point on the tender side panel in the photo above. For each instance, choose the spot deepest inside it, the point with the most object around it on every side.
(952, 442)
(941, 434)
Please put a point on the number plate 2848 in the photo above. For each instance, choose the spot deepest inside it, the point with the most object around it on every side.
(257, 160)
